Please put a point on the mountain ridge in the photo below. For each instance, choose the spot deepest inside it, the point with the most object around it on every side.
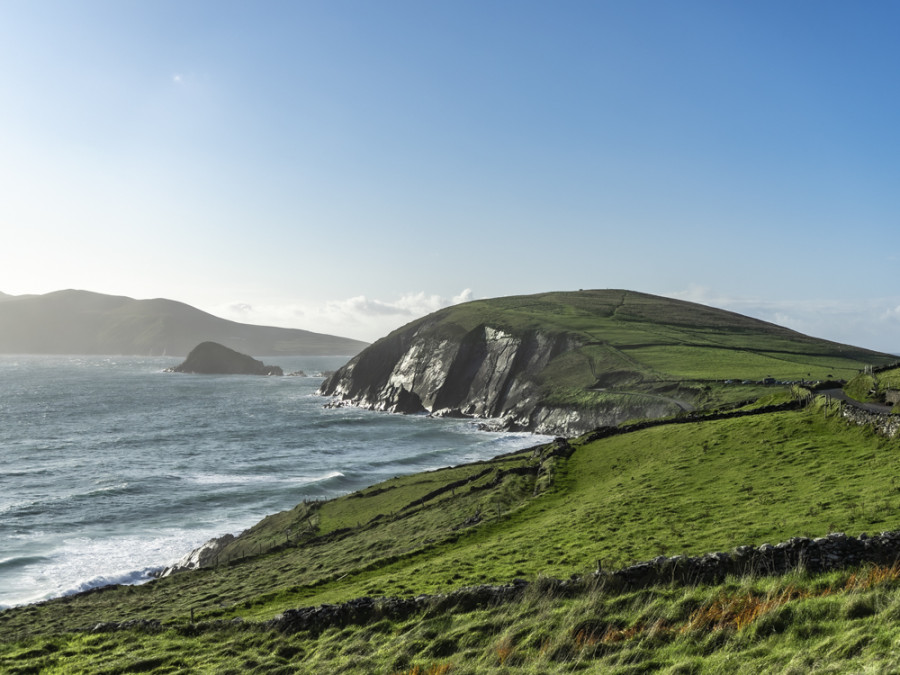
(83, 322)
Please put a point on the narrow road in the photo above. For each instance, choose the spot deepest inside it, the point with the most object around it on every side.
(870, 407)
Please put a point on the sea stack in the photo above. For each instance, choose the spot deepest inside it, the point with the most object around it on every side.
(211, 358)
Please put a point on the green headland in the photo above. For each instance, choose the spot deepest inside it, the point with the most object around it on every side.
(564, 363)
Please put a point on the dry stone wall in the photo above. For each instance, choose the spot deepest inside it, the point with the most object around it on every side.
(832, 552)
(887, 425)
(835, 551)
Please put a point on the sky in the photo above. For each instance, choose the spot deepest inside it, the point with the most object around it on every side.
(347, 166)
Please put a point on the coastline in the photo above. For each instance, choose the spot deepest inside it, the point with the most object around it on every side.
(221, 452)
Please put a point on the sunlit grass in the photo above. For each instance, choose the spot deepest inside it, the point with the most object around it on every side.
(684, 488)
(841, 621)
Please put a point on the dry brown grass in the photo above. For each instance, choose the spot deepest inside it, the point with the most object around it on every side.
(434, 669)
(871, 576)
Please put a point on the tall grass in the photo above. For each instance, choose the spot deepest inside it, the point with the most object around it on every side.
(837, 622)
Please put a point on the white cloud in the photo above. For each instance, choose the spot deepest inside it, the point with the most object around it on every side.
(358, 317)
(892, 314)
(178, 78)
(707, 296)
(465, 296)
(873, 323)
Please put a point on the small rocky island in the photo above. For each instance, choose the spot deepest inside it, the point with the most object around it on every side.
(211, 358)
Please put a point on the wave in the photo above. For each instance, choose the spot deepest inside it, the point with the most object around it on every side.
(243, 479)
(340, 419)
(22, 473)
(7, 564)
(113, 466)
(38, 506)
(130, 578)
(414, 459)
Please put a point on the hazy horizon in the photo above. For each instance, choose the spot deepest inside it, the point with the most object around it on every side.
(346, 167)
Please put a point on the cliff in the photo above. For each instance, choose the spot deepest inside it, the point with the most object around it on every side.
(211, 358)
(565, 363)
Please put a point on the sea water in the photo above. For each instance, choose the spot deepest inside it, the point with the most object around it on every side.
(111, 468)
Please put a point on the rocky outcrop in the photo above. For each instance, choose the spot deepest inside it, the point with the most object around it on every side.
(211, 358)
(203, 556)
(484, 373)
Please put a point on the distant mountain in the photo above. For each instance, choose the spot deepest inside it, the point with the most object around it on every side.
(564, 363)
(81, 322)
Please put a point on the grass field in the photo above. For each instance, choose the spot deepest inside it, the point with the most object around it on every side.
(843, 622)
(682, 488)
(871, 387)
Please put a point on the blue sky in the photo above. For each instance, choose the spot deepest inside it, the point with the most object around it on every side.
(347, 166)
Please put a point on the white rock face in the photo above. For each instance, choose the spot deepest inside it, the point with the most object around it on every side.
(485, 373)
(202, 556)
(423, 370)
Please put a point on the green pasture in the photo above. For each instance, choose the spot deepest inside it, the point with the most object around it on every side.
(842, 622)
(678, 488)
(632, 344)
(871, 387)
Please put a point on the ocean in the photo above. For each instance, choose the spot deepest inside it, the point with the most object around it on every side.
(111, 469)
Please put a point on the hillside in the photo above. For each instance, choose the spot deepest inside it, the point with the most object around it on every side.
(549, 512)
(565, 363)
(80, 322)
(877, 385)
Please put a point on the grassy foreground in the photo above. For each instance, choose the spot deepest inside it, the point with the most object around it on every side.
(846, 622)
(687, 488)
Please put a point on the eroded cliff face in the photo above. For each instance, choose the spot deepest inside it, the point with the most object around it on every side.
(483, 373)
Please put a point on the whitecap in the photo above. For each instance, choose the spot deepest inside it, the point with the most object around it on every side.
(243, 479)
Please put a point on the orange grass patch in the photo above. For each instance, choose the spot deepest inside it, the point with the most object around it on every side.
(435, 669)
(738, 611)
(503, 650)
(871, 576)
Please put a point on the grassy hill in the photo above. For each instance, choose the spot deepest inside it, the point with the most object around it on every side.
(539, 514)
(80, 322)
(873, 385)
(567, 362)
(661, 340)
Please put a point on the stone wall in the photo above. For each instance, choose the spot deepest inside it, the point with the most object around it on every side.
(887, 425)
(835, 551)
